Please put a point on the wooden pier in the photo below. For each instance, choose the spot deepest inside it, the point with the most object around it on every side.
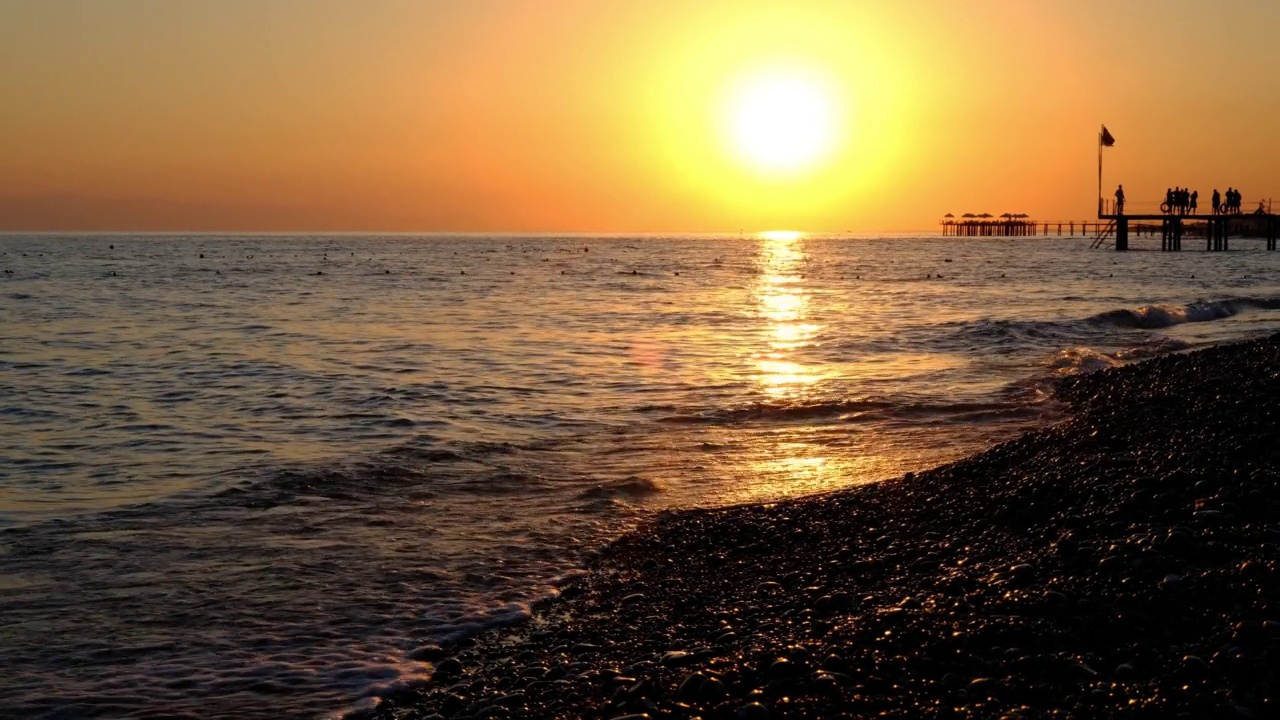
(1216, 229)
(1015, 226)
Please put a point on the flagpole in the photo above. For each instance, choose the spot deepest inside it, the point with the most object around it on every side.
(1099, 172)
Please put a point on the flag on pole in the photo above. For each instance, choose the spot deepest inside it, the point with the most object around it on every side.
(1107, 140)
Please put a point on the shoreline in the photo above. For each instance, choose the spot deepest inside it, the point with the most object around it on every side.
(1110, 565)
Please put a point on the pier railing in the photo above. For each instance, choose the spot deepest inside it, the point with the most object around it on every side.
(1108, 208)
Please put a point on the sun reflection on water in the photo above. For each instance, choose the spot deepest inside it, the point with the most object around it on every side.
(783, 305)
(795, 460)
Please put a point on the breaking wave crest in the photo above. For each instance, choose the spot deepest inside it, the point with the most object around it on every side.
(1163, 315)
(1085, 360)
(1006, 336)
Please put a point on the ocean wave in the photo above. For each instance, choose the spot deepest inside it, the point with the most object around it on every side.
(1163, 315)
(867, 410)
(1085, 360)
(1081, 361)
(995, 335)
(776, 411)
(631, 487)
(1004, 336)
(414, 474)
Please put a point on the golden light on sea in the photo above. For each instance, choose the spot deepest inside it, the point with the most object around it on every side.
(783, 302)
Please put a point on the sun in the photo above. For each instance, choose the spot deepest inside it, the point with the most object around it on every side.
(781, 122)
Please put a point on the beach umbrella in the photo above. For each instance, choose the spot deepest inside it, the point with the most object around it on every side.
(1006, 215)
(969, 215)
(948, 215)
(985, 215)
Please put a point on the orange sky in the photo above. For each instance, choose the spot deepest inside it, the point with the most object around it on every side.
(594, 115)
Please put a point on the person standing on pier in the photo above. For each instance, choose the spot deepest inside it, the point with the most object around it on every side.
(1195, 196)
(1120, 199)
(1168, 200)
(1217, 201)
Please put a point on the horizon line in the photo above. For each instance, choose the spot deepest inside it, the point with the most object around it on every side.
(454, 233)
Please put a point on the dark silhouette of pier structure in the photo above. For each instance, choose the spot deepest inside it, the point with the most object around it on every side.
(1013, 225)
(1216, 228)
(1177, 216)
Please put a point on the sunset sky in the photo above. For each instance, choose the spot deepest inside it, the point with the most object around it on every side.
(612, 116)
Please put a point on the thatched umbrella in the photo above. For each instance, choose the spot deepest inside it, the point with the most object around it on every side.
(969, 215)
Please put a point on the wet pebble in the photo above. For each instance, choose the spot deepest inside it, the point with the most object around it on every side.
(447, 669)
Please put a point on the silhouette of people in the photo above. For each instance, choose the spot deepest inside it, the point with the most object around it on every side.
(1217, 201)
(1120, 199)
(1195, 196)
(1168, 200)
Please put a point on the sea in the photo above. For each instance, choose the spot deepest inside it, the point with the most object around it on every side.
(262, 476)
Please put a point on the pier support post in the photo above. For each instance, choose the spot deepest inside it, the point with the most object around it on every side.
(1122, 233)
(1171, 234)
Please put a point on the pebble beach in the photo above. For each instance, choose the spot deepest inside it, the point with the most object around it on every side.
(1120, 563)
